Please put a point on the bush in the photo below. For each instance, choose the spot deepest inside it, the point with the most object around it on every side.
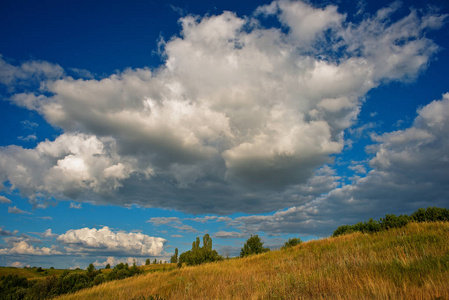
(291, 243)
(253, 245)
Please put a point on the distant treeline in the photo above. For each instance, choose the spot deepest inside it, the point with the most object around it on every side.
(430, 214)
(17, 287)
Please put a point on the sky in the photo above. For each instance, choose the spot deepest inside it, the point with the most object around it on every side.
(129, 128)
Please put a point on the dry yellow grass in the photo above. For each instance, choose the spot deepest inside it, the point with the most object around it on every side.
(406, 263)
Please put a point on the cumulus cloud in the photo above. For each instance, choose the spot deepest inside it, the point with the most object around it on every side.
(23, 247)
(410, 169)
(238, 118)
(104, 240)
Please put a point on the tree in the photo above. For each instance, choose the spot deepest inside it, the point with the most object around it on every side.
(90, 268)
(108, 266)
(155, 261)
(253, 245)
(199, 255)
(291, 243)
(147, 262)
(174, 258)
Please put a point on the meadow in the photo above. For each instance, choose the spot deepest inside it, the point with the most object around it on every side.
(410, 262)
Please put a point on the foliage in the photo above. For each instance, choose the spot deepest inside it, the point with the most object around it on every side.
(13, 287)
(430, 214)
(18, 287)
(291, 243)
(174, 258)
(199, 255)
(253, 245)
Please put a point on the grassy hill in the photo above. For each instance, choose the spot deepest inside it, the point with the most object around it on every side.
(404, 263)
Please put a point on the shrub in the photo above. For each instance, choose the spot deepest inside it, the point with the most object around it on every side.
(291, 243)
(253, 245)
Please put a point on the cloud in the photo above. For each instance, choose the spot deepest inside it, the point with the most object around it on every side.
(28, 71)
(5, 232)
(24, 248)
(75, 206)
(3, 199)
(164, 221)
(17, 264)
(410, 169)
(18, 211)
(237, 119)
(104, 240)
(229, 234)
(30, 137)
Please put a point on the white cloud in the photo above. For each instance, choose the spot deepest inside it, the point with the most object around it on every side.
(3, 199)
(238, 115)
(104, 240)
(17, 264)
(15, 210)
(75, 206)
(30, 137)
(23, 247)
(31, 70)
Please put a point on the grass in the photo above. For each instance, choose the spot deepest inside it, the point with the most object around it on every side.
(407, 263)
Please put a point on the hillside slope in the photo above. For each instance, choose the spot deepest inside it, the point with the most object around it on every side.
(406, 263)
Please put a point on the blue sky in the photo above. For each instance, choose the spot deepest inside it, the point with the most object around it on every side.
(131, 127)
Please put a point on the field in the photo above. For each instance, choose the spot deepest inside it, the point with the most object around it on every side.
(32, 273)
(406, 263)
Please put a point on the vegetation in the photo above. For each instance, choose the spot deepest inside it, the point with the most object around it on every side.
(199, 255)
(253, 245)
(19, 287)
(291, 243)
(174, 258)
(411, 262)
(430, 214)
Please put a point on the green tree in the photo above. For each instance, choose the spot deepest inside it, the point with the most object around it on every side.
(253, 245)
(90, 268)
(199, 255)
(147, 262)
(174, 258)
(108, 266)
(291, 243)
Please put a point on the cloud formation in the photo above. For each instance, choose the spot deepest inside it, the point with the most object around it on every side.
(410, 169)
(83, 242)
(239, 117)
(104, 240)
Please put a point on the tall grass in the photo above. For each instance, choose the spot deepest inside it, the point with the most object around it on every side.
(404, 263)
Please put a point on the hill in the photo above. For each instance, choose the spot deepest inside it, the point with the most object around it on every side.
(411, 262)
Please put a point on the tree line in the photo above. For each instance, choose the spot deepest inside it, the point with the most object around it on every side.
(18, 287)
